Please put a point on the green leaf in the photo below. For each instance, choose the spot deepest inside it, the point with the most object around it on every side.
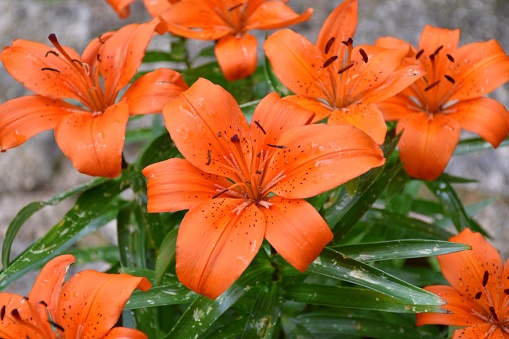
(203, 312)
(352, 185)
(277, 86)
(333, 325)
(335, 265)
(107, 254)
(265, 314)
(476, 144)
(347, 210)
(411, 225)
(158, 56)
(160, 296)
(165, 256)
(453, 206)
(399, 249)
(27, 211)
(350, 297)
(93, 209)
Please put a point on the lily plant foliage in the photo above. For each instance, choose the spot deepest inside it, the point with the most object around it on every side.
(279, 188)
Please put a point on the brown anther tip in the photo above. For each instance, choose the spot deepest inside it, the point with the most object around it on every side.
(493, 313)
(276, 146)
(438, 49)
(329, 61)
(52, 37)
(432, 85)
(234, 7)
(57, 326)
(451, 59)
(345, 68)
(260, 127)
(451, 79)
(328, 45)
(364, 55)
(485, 278)
(418, 55)
(478, 295)
(235, 138)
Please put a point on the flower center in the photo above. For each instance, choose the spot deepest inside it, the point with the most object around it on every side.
(438, 86)
(89, 93)
(340, 73)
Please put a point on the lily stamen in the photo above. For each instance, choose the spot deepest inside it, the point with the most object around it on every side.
(329, 61)
(328, 45)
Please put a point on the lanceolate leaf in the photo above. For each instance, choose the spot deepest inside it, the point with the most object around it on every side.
(476, 144)
(399, 249)
(351, 297)
(93, 209)
(27, 211)
(165, 255)
(265, 314)
(336, 265)
(203, 312)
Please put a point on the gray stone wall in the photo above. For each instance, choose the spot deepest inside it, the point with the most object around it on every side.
(37, 169)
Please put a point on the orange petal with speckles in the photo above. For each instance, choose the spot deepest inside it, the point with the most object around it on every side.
(151, 91)
(237, 56)
(91, 302)
(397, 107)
(195, 19)
(216, 242)
(121, 56)
(466, 270)
(123, 333)
(24, 117)
(121, 7)
(484, 116)
(366, 117)
(267, 127)
(320, 109)
(434, 37)
(94, 143)
(480, 331)
(275, 14)
(176, 184)
(481, 68)
(459, 305)
(427, 143)
(22, 324)
(298, 64)
(47, 74)
(317, 158)
(207, 118)
(340, 24)
(296, 230)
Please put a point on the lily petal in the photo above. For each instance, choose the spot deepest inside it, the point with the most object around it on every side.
(366, 117)
(195, 19)
(317, 158)
(175, 185)
(298, 64)
(479, 331)
(196, 122)
(216, 243)
(434, 37)
(394, 43)
(237, 56)
(268, 126)
(25, 322)
(296, 230)
(151, 91)
(24, 117)
(124, 332)
(49, 282)
(91, 302)
(340, 24)
(427, 144)
(459, 306)
(320, 109)
(121, 7)
(121, 56)
(397, 107)
(275, 14)
(156, 7)
(481, 68)
(94, 143)
(43, 70)
(466, 270)
(484, 116)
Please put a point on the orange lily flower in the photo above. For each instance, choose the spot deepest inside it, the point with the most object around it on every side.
(228, 22)
(333, 78)
(434, 109)
(479, 293)
(88, 305)
(90, 130)
(154, 7)
(243, 183)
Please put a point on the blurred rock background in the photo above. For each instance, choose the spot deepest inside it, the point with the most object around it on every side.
(37, 170)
